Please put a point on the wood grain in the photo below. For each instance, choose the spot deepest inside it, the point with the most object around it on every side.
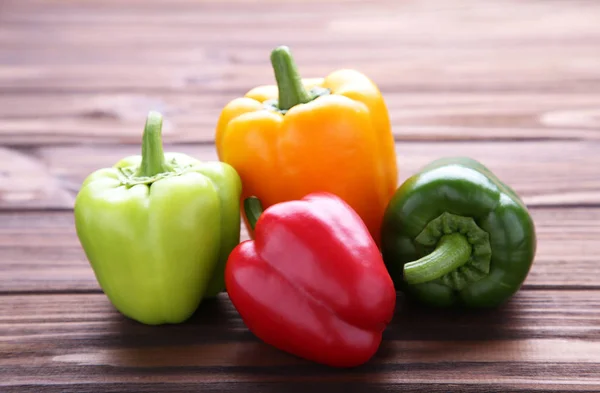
(544, 173)
(73, 72)
(46, 243)
(109, 118)
(64, 341)
(26, 182)
(514, 84)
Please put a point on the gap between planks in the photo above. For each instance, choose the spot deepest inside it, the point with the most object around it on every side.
(91, 291)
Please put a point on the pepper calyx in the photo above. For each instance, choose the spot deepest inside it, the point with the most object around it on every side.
(315, 92)
(439, 253)
(128, 176)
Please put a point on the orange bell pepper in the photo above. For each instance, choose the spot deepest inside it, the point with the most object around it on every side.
(329, 134)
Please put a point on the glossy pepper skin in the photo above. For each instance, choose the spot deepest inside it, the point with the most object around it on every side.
(313, 283)
(327, 134)
(454, 235)
(157, 229)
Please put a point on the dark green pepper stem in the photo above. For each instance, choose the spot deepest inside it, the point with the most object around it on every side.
(253, 209)
(452, 252)
(153, 157)
(289, 82)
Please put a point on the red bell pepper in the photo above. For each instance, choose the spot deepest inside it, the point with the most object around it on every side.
(313, 282)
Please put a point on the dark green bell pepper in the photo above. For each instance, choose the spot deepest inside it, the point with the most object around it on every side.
(454, 235)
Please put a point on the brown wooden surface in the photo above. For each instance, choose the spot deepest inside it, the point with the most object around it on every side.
(514, 84)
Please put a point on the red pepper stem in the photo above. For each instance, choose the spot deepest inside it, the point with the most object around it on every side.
(253, 209)
(289, 82)
(452, 252)
(153, 157)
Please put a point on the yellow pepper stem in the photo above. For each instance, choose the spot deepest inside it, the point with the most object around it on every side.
(289, 82)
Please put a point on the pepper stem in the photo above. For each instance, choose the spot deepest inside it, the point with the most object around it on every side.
(289, 82)
(253, 209)
(451, 252)
(153, 157)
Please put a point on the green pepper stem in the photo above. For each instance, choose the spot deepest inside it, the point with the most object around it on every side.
(153, 157)
(289, 82)
(451, 252)
(253, 209)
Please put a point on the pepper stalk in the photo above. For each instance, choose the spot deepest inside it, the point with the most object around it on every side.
(452, 252)
(253, 208)
(459, 253)
(153, 156)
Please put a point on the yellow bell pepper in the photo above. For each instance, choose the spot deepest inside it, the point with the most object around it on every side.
(329, 134)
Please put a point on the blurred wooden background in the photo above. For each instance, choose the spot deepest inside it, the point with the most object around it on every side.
(515, 84)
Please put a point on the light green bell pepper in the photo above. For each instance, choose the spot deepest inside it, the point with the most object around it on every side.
(158, 228)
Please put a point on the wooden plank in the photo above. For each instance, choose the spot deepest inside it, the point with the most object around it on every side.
(540, 340)
(108, 118)
(26, 182)
(543, 173)
(45, 243)
(409, 21)
(185, 70)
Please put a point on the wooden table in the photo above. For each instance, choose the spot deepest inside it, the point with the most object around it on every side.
(515, 84)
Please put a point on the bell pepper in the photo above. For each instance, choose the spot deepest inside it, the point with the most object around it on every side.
(327, 134)
(158, 228)
(313, 282)
(454, 235)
